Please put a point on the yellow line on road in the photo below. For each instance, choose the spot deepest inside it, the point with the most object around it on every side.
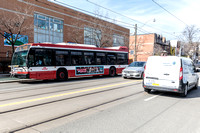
(64, 94)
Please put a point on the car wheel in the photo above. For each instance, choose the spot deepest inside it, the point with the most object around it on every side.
(142, 76)
(197, 84)
(184, 94)
(147, 90)
(125, 77)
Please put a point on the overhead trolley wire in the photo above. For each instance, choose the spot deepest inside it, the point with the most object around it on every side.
(129, 17)
(169, 12)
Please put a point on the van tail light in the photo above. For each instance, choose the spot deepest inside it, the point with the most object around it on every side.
(181, 74)
(144, 71)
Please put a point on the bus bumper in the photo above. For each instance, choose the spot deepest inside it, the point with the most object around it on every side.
(22, 76)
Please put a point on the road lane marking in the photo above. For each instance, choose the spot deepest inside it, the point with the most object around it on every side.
(150, 98)
(63, 94)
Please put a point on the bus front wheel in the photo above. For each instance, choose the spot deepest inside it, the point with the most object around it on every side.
(62, 75)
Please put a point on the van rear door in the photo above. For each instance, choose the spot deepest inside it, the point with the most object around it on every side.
(163, 71)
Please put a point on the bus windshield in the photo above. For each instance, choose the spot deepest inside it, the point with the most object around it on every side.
(19, 58)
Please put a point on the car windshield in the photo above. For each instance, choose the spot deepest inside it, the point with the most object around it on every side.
(137, 64)
(19, 58)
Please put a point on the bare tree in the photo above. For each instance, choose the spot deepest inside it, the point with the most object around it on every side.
(190, 38)
(103, 31)
(139, 46)
(15, 23)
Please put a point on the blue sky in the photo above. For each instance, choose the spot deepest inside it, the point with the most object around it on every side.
(146, 11)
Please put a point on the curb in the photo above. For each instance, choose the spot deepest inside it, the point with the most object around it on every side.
(9, 81)
(14, 80)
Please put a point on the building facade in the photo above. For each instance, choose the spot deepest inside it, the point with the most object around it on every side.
(50, 22)
(147, 45)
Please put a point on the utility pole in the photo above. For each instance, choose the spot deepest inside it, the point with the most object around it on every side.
(135, 42)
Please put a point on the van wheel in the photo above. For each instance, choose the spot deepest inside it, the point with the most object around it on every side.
(184, 94)
(196, 86)
(62, 75)
(112, 72)
(147, 90)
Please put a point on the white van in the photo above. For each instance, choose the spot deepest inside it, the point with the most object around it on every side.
(170, 73)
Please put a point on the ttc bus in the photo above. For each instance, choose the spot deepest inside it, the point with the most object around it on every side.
(61, 61)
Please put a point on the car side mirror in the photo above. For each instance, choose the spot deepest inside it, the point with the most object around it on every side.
(196, 70)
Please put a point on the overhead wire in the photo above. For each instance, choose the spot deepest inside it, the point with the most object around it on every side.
(169, 12)
(111, 18)
(129, 18)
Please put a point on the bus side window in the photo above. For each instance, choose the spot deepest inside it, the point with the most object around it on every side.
(111, 58)
(62, 58)
(100, 58)
(76, 58)
(89, 58)
(43, 57)
(31, 61)
(122, 59)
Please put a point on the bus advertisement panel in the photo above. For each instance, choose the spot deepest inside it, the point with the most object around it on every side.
(89, 70)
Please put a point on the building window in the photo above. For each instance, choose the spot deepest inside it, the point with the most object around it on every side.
(118, 40)
(47, 29)
(92, 36)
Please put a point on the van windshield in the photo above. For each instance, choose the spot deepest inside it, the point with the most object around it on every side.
(137, 64)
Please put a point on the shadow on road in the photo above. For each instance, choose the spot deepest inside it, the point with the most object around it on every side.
(193, 93)
(69, 80)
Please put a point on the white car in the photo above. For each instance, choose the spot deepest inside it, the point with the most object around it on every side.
(134, 70)
(170, 73)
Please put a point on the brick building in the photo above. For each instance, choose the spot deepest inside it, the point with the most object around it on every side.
(147, 45)
(50, 22)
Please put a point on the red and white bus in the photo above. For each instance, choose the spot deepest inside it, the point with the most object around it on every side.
(63, 60)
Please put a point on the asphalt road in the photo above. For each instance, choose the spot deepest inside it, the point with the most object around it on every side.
(95, 105)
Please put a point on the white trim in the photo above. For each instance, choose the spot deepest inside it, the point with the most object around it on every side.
(15, 12)
(54, 68)
(79, 49)
(46, 15)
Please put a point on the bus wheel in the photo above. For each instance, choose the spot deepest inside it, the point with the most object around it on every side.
(62, 75)
(112, 72)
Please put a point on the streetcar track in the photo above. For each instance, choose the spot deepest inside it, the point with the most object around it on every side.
(63, 99)
(39, 87)
(2, 100)
(76, 112)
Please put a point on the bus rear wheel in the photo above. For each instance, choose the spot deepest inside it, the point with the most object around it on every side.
(112, 72)
(62, 75)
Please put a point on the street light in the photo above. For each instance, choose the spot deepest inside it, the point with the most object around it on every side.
(154, 20)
